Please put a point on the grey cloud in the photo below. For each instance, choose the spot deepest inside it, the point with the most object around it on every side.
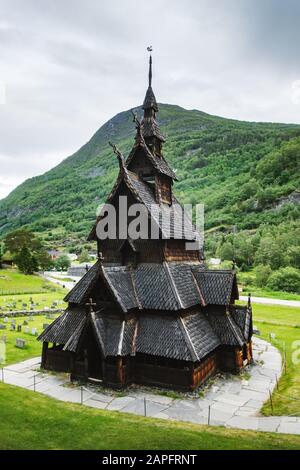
(70, 65)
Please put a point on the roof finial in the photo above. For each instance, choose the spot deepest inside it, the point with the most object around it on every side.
(119, 156)
(138, 126)
(149, 49)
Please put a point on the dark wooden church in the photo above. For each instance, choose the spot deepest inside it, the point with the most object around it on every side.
(148, 311)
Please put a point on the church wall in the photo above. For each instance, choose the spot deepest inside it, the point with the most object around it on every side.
(174, 250)
(55, 359)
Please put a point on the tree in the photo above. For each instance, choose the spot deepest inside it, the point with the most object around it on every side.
(286, 279)
(26, 261)
(84, 257)
(44, 260)
(62, 263)
(18, 239)
(293, 253)
(226, 251)
(262, 274)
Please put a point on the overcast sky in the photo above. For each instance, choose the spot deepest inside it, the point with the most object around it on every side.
(67, 66)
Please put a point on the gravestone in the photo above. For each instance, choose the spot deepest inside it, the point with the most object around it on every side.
(2, 327)
(19, 328)
(5, 320)
(34, 332)
(31, 317)
(27, 329)
(20, 343)
(25, 322)
(13, 327)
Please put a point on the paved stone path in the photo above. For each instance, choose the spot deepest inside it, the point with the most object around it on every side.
(231, 402)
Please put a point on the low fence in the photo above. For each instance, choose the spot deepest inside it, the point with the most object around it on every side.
(29, 313)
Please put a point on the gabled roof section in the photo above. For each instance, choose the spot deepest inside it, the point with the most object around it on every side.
(63, 328)
(242, 316)
(168, 286)
(187, 338)
(226, 328)
(81, 290)
(219, 287)
(150, 128)
(158, 161)
(144, 193)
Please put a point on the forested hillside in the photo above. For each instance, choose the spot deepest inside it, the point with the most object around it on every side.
(246, 174)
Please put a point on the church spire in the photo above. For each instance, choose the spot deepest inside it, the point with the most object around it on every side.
(150, 65)
(151, 131)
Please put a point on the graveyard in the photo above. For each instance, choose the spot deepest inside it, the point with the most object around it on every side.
(29, 327)
(20, 292)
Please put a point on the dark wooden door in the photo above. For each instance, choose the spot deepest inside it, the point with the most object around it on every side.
(95, 359)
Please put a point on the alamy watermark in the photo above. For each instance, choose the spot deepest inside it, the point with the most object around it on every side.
(154, 222)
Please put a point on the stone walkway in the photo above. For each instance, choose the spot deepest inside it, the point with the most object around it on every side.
(231, 402)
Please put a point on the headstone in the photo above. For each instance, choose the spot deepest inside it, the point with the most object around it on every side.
(31, 317)
(2, 327)
(19, 328)
(13, 321)
(45, 325)
(34, 332)
(6, 320)
(272, 335)
(20, 343)
(26, 329)
(13, 327)
(25, 322)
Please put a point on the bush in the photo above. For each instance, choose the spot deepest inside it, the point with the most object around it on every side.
(285, 279)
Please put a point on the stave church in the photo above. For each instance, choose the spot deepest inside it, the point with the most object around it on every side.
(149, 311)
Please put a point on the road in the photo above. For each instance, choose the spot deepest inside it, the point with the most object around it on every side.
(271, 301)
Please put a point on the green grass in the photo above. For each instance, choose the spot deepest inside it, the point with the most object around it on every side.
(17, 288)
(14, 282)
(279, 320)
(32, 421)
(268, 293)
(277, 314)
(33, 347)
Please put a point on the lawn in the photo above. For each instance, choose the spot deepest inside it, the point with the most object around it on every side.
(277, 314)
(14, 282)
(32, 421)
(279, 321)
(33, 347)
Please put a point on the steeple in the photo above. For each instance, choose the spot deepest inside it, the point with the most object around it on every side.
(151, 131)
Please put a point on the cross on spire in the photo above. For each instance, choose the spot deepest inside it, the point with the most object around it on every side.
(90, 304)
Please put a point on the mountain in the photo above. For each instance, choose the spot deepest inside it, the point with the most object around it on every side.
(246, 174)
